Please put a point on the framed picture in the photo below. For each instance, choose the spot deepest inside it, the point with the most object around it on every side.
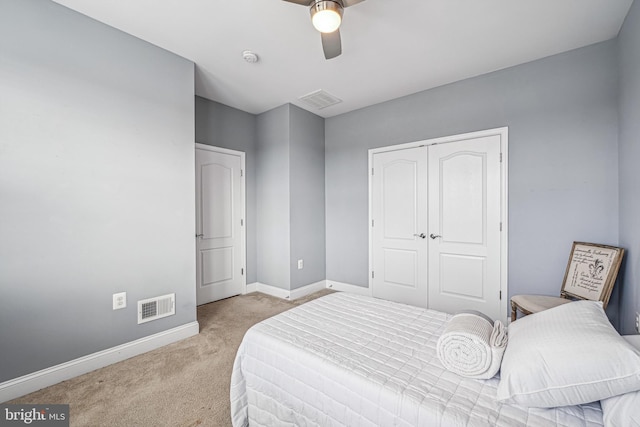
(592, 271)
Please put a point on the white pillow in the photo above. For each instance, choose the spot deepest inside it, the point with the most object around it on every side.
(622, 411)
(567, 355)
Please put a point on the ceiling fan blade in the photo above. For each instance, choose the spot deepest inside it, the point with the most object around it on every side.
(347, 3)
(300, 2)
(331, 44)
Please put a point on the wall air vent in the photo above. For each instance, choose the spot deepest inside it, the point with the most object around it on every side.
(320, 99)
(156, 308)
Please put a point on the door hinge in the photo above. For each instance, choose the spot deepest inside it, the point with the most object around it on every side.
(372, 222)
(242, 271)
(500, 226)
(372, 171)
(500, 295)
(241, 172)
(241, 222)
(500, 157)
(373, 275)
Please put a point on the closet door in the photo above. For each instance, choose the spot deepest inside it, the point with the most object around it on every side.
(464, 226)
(399, 221)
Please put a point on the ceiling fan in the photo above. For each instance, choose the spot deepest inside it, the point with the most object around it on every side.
(326, 16)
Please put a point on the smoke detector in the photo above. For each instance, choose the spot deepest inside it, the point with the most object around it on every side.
(250, 57)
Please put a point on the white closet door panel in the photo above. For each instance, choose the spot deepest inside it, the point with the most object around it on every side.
(464, 220)
(399, 217)
(462, 198)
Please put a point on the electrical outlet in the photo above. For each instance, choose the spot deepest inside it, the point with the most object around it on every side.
(638, 322)
(300, 264)
(119, 300)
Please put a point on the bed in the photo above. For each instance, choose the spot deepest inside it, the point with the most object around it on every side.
(348, 360)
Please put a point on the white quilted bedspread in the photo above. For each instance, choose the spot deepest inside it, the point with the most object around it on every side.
(347, 360)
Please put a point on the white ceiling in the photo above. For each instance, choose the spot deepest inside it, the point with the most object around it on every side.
(390, 48)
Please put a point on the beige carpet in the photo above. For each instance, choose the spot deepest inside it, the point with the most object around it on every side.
(182, 384)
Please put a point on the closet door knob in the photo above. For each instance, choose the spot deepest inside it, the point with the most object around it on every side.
(434, 236)
(421, 235)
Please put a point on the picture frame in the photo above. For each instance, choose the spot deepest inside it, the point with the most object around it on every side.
(591, 272)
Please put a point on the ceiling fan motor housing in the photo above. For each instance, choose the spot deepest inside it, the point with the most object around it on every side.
(326, 16)
(326, 7)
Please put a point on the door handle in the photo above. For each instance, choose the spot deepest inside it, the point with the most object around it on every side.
(199, 235)
(421, 235)
(434, 236)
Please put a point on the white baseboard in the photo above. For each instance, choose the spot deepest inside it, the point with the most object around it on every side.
(271, 290)
(37, 380)
(284, 293)
(251, 287)
(308, 289)
(346, 287)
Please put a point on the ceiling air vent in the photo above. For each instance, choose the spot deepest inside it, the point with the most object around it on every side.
(320, 99)
(156, 308)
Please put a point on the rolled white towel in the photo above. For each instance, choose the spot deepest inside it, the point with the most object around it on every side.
(472, 345)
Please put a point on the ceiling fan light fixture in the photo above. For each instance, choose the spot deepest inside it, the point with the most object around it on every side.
(326, 15)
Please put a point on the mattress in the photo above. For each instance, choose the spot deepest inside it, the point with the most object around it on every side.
(349, 360)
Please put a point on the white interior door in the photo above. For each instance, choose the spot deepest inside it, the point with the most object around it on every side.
(219, 224)
(465, 226)
(453, 192)
(399, 225)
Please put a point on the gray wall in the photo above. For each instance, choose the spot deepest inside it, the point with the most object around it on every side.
(285, 187)
(563, 161)
(272, 198)
(629, 51)
(306, 182)
(226, 127)
(96, 185)
(290, 197)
